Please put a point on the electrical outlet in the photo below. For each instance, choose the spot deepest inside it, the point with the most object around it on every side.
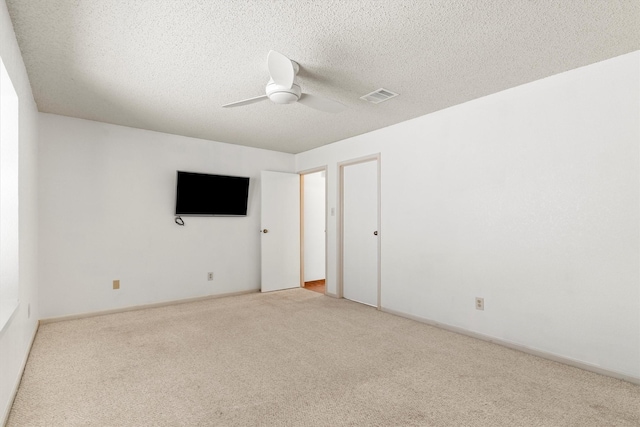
(479, 303)
(116, 284)
(209, 276)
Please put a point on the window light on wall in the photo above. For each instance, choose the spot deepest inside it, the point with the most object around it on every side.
(9, 291)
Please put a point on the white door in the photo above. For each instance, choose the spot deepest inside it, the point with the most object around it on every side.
(280, 230)
(360, 232)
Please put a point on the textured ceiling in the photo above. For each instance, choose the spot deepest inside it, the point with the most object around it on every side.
(169, 66)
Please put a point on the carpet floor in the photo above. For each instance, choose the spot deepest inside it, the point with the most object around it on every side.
(297, 358)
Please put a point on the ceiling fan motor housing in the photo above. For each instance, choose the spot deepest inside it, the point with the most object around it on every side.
(282, 94)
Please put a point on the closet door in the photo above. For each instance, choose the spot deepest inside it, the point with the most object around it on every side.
(360, 232)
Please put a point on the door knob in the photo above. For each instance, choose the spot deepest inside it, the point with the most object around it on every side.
(375, 233)
(265, 231)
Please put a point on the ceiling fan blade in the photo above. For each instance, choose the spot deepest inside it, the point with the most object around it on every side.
(246, 101)
(323, 104)
(281, 69)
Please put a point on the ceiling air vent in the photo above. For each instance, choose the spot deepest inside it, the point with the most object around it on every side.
(378, 96)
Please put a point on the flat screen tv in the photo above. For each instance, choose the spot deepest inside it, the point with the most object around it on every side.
(211, 195)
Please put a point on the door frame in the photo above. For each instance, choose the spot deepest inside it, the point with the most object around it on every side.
(326, 204)
(340, 264)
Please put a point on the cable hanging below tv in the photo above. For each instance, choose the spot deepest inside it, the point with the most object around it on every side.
(199, 194)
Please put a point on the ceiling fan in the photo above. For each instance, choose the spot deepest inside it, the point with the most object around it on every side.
(283, 88)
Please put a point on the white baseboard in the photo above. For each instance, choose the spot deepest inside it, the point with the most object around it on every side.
(142, 306)
(519, 347)
(7, 410)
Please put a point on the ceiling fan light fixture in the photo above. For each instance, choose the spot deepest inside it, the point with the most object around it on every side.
(282, 94)
(283, 97)
(283, 88)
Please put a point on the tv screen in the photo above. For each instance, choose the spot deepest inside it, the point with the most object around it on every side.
(203, 194)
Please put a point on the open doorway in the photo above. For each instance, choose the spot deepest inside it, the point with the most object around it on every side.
(313, 187)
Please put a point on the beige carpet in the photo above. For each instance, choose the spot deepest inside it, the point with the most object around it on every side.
(298, 358)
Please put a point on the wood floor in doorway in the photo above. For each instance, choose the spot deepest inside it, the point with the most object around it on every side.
(315, 286)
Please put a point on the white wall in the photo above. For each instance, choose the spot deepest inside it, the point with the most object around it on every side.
(314, 222)
(528, 198)
(15, 338)
(107, 198)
